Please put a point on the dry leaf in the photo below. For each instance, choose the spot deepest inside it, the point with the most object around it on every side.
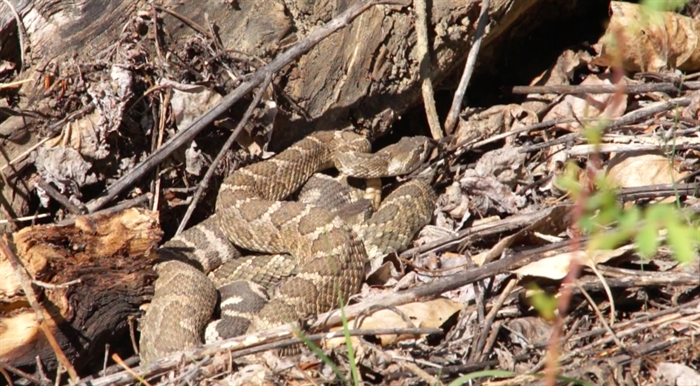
(676, 374)
(432, 313)
(556, 267)
(560, 74)
(588, 105)
(495, 119)
(190, 105)
(84, 136)
(628, 170)
(649, 41)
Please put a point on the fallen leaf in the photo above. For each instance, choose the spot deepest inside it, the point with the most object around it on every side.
(676, 374)
(649, 41)
(556, 267)
(628, 170)
(588, 105)
(431, 313)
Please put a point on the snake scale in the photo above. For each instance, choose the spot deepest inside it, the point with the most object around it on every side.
(310, 255)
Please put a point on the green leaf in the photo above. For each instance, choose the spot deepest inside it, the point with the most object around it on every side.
(647, 240)
(587, 225)
(546, 305)
(680, 239)
(607, 241)
(664, 5)
(629, 219)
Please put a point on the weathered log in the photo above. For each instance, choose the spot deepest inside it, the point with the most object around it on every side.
(103, 260)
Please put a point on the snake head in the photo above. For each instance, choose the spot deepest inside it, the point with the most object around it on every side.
(408, 154)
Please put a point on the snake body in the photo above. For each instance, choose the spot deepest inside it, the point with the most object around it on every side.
(311, 256)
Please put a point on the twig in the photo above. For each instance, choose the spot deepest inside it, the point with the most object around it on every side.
(229, 142)
(601, 318)
(20, 373)
(186, 135)
(480, 232)
(158, 143)
(491, 316)
(126, 204)
(585, 150)
(647, 111)
(56, 195)
(118, 360)
(185, 20)
(15, 84)
(7, 376)
(21, 33)
(293, 341)
(421, 24)
(56, 286)
(24, 279)
(422, 374)
(25, 218)
(451, 120)
(468, 144)
(657, 191)
(604, 88)
(157, 367)
(25, 153)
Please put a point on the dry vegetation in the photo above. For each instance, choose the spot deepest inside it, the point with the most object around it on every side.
(104, 151)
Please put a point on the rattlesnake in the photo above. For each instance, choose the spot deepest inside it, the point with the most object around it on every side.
(318, 256)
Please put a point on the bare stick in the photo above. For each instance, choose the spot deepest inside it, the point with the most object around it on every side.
(451, 120)
(491, 316)
(56, 195)
(21, 33)
(229, 142)
(186, 135)
(126, 204)
(604, 88)
(158, 143)
(159, 366)
(25, 218)
(424, 57)
(20, 373)
(24, 279)
(647, 111)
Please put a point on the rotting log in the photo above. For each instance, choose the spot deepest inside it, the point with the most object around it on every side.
(103, 262)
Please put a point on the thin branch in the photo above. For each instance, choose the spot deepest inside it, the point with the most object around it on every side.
(39, 183)
(490, 317)
(21, 33)
(25, 218)
(229, 142)
(451, 120)
(186, 135)
(601, 318)
(185, 20)
(424, 56)
(126, 204)
(56, 286)
(605, 88)
(164, 364)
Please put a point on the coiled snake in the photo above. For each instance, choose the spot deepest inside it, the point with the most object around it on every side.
(314, 256)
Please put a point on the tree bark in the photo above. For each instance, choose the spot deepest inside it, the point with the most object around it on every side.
(108, 256)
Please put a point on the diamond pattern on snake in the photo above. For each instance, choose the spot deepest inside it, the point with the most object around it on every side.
(305, 254)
